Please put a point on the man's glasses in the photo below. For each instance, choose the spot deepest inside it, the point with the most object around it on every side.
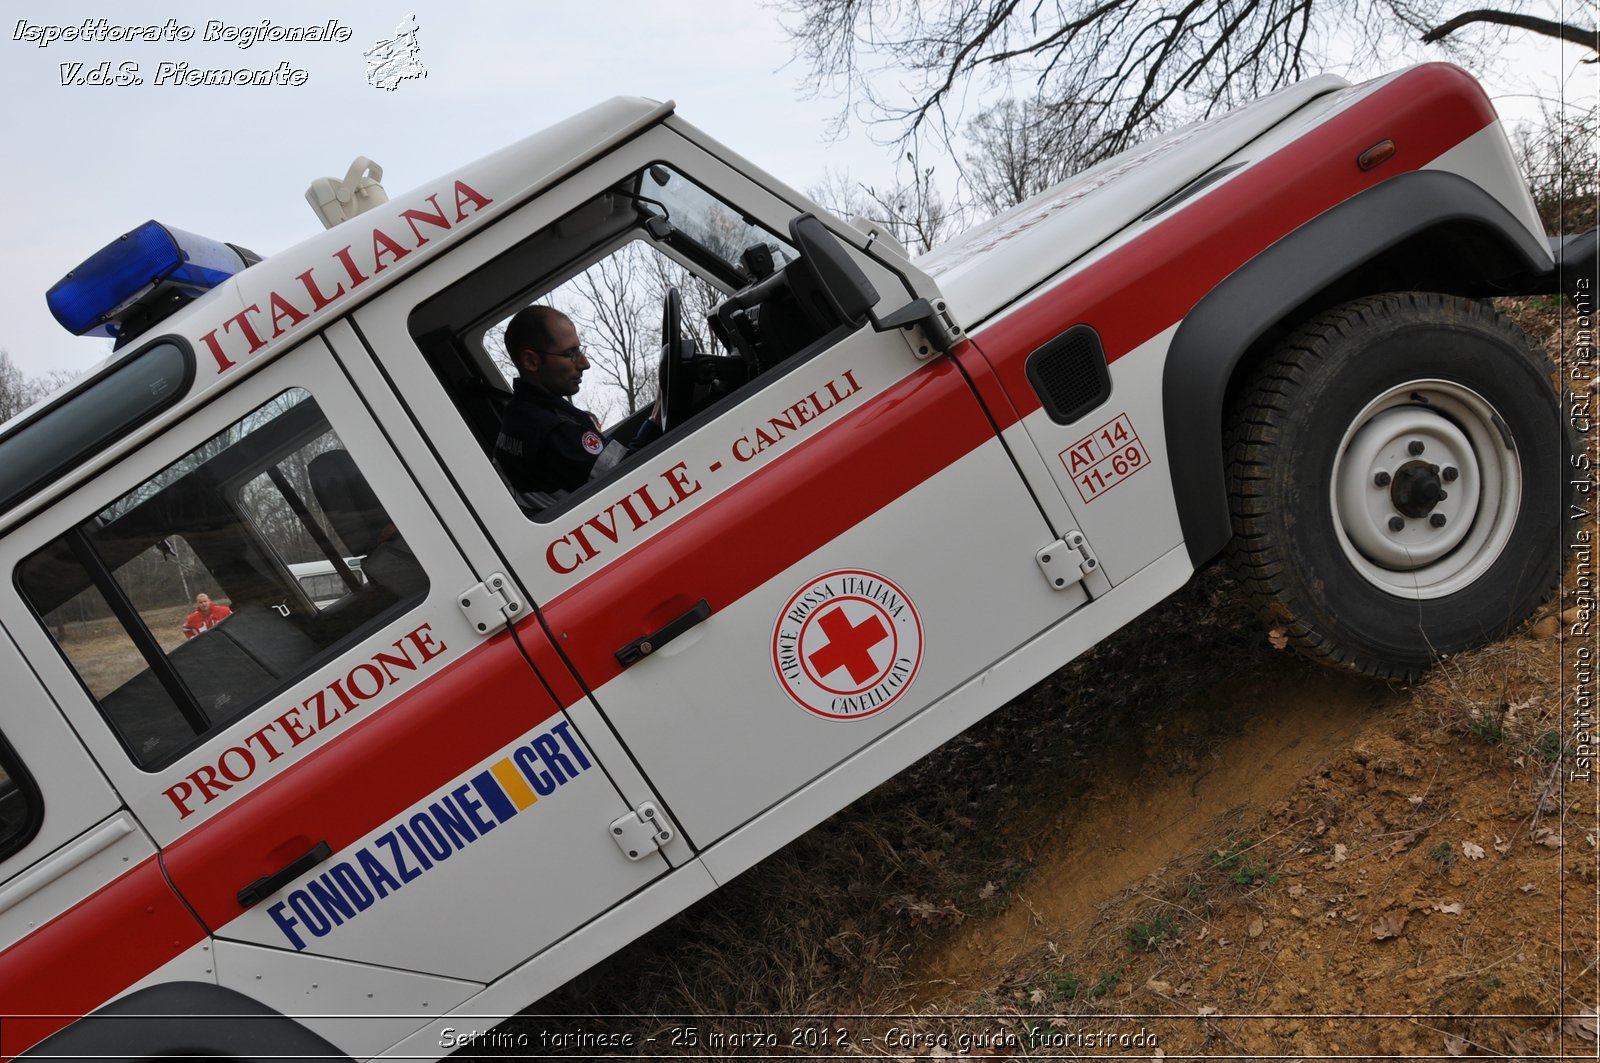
(571, 354)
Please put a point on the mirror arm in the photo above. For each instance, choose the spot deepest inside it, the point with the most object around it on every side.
(917, 312)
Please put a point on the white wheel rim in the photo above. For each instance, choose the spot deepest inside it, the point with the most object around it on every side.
(1390, 529)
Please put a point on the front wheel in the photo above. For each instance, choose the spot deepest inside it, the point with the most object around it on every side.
(1396, 482)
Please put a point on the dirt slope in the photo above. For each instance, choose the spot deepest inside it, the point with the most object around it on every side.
(1347, 852)
(1140, 812)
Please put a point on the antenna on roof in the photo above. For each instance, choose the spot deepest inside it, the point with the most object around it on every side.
(335, 201)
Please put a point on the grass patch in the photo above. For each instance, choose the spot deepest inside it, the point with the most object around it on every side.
(1241, 866)
(1067, 986)
(1548, 747)
(1105, 983)
(1487, 729)
(1149, 936)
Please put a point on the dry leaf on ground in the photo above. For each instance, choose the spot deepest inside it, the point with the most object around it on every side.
(1472, 851)
(1388, 926)
(1453, 908)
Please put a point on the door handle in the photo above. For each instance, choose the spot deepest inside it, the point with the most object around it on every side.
(267, 885)
(643, 647)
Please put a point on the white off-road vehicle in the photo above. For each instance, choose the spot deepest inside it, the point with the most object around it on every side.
(890, 496)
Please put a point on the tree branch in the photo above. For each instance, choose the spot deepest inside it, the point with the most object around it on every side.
(1533, 24)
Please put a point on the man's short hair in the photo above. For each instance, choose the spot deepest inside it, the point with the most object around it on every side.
(530, 329)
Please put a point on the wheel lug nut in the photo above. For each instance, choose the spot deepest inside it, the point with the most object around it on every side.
(1437, 520)
(1382, 479)
(1443, 495)
(1450, 473)
(1415, 446)
(1397, 524)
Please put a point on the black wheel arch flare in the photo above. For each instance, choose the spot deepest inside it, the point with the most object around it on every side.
(215, 1022)
(1426, 230)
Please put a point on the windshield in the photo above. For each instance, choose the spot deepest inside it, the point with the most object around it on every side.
(714, 227)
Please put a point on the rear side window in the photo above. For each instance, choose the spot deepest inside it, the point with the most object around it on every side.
(181, 605)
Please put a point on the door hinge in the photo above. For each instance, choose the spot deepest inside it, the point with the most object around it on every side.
(489, 604)
(1067, 561)
(641, 832)
(927, 328)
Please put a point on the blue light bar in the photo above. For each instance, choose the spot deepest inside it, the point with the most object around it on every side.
(149, 264)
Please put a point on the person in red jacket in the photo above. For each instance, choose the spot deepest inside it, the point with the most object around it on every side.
(205, 616)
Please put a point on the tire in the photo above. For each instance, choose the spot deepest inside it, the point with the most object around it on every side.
(1396, 479)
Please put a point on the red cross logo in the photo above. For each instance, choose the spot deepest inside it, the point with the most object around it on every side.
(849, 646)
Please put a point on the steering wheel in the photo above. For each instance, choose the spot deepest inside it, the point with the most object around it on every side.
(677, 380)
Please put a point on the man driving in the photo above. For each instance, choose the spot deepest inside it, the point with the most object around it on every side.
(546, 443)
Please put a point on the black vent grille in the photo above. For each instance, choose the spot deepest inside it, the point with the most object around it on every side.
(1069, 374)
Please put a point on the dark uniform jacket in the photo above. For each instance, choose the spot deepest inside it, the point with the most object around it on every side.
(545, 442)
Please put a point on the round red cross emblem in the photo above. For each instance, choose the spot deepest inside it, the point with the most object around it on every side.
(847, 644)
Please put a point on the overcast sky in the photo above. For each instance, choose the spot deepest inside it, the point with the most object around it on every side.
(85, 163)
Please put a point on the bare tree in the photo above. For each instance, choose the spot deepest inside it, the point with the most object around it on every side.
(612, 310)
(1022, 148)
(1557, 156)
(914, 212)
(17, 392)
(1125, 63)
(700, 299)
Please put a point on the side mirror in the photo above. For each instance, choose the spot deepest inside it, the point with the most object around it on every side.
(851, 296)
(846, 288)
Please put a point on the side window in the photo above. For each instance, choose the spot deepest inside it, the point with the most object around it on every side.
(182, 604)
(616, 305)
(659, 247)
(20, 807)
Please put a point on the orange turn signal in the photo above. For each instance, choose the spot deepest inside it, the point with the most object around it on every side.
(1377, 155)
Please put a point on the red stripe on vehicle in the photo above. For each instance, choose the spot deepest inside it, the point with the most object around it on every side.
(969, 355)
(90, 953)
(779, 514)
(549, 664)
(1153, 281)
